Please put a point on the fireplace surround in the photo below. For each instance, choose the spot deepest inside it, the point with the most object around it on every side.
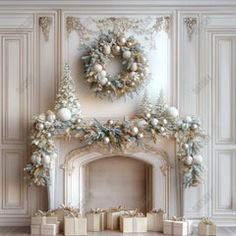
(70, 175)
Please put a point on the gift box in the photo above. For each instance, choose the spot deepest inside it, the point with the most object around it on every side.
(113, 215)
(51, 220)
(50, 229)
(96, 220)
(155, 220)
(177, 226)
(133, 223)
(75, 226)
(207, 227)
(38, 220)
(35, 229)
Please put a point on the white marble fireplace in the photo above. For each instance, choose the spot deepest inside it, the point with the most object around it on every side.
(92, 177)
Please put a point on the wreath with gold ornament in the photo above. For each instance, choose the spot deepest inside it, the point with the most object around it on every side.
(134, 66)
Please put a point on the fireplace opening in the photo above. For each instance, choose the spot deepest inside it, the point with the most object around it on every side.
(117, 180)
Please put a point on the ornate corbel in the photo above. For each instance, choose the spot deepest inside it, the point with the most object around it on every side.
(72, 23)
(191, 24)
(163, 24)
(45, 24)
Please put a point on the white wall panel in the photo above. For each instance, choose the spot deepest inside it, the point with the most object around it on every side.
(224, 91)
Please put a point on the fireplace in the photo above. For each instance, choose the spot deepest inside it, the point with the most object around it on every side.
(92, 177)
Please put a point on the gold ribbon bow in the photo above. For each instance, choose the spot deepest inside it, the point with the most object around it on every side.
(174, 218)
(157, 211)
(68, 209)
(133, 213)
(119, 208)
(96, 210)
(73, 214)
(43, 213)
(207, 221)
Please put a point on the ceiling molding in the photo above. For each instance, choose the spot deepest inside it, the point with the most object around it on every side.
(120, 3)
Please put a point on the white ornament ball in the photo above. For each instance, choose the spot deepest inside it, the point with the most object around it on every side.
(162, 129)
(173, 111)
(141, 123)
(121, 40)
(165, 121)
(103, 73)
(135, 130)
(134, 67)
(46, 160)
(140, 135)
(198, 159)
(148, 115)
(36, 159)
(126, 54)
(186, 146)
(154, 122)
(107, 50)
(188, 119)
(98, 67)
(39, 126)
(110, 122)
(106, 140)
(103, 81)
(49, 135)
(188, 160)
(194, 126)
(64, 114)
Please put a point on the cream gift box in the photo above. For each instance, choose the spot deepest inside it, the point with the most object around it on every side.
(38, 220)
(155, 220)
(113, 215)
(133, 223)
(206, 227)
(177, 226)
(96, 220)
(50, 229)
(75, 226)
(35, 229)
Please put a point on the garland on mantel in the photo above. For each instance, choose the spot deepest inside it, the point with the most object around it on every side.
(150, 121)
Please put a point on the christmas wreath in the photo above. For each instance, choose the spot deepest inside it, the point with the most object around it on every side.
(134, 66)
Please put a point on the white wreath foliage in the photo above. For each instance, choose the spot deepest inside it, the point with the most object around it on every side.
(134, 62)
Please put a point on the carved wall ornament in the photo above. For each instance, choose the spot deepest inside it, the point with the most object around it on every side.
(45, 23)
(191, 25)
(163, 23)
(90, 28)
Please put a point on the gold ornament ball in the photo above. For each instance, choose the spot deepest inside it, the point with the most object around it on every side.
(186, 146)
(129, 44)
(116, 49)
(108, 91)
(121, 41)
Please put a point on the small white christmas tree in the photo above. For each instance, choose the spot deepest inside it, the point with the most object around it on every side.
(145, 108)
(67, 105)
(160, 105)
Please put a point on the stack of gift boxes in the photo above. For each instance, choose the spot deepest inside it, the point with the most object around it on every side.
(127, 221)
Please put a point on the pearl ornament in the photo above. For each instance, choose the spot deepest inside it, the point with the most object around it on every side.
(116, 49)
(162, 129)
(106, 140)
(165, 121)
(107, 50)
(39, 126)
(148, 115)
(103, 81)
(135, 130)
(98, 67)
(134, 67)
(188, 160)
(121, 41)
(46, 160)
(103, 73)
(154, 122)
(126, 54)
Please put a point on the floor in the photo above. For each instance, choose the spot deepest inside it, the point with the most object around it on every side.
(25, 231)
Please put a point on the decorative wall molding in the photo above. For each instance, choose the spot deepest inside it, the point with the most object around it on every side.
(191, 25)
(45, 23)
(164, 24)
(89, 28)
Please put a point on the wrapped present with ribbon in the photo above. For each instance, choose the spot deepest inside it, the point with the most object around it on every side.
(65, 210)
(50, 229)
(155, 219)
(113, 214)
(206, 227)
(96, 220)
(133, 222)
(177, 226)
(43, 217)
(74, 224)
